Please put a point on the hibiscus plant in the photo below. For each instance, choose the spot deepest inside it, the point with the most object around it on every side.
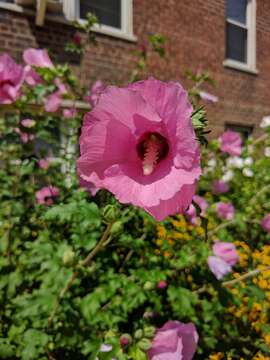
(134, 240)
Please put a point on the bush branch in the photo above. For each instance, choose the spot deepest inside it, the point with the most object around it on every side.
(86, 262)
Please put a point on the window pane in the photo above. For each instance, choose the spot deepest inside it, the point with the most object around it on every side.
(107, 11)
(236, 47)
(236, 10)
(244, 130)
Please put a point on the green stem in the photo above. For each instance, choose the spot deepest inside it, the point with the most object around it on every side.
(86, 262)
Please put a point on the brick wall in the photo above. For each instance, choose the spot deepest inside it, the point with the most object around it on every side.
(195, 30)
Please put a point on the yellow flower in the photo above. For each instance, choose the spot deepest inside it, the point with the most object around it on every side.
(267, 339)
(217, 356)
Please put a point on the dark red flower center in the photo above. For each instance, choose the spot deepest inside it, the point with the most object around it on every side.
(152, 148)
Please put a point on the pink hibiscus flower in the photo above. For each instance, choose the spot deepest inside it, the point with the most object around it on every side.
(225, 210)
(54, 101)
(174, 341)
(11, 79)
(25, 137)
(218, 266)
(38, 58)
(44, 163)
(28, 123)
(231, 142)
(139, 143)
(46, 195)
(220, 187)
(69, 113)
(31, 77)
(226, 251)
(266, 223)
(191, 212)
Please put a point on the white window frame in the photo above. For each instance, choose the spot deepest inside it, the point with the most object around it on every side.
(250, 65)
(72, 12)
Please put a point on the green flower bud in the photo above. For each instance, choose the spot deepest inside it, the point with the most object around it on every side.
(148, 285)
(117, 228)
(110, 213)
(149, 331)
(138, 334)
(144, 344)
(68, 257)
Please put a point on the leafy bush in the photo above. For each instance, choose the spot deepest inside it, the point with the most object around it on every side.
(85, 277)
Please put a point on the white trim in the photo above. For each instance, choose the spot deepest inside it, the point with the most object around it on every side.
(250, 65)
(12, 7)
(234, 64)
(72, 12)
(237, 23)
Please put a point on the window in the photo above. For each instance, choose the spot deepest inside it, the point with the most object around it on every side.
(244, 130)
(241, 34)
(115, 16)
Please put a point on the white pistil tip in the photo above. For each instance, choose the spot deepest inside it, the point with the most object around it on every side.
(148, 169)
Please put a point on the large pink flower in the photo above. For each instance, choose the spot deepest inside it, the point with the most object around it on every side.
(266, 223)
(46, 195)
(226, 251)
(225, 210)
(230, 142)
(174, 341)
(37, 57)
(11, 79)
(139, 143)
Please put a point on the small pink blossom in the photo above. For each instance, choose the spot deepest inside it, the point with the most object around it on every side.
(31, 77)
(69, 113)
(202, 203)
(191, 213)
(225, 210)
(106, 348)
(124, 340)
(218, 266)
(97, 88)
(266, 223)
(28, 123)
(44, 164)
(220, 187)
(54, 101)
(174, 341)
(38, 58)
(208, 97)
(139, 143)
(46, 195)
(61, 87)
(11, 79)
(77, 39)
(162, 284)
(231, 142)
(226, 251)
(25, 137)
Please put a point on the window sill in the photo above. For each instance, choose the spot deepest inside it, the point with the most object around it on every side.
(237, 65)
(102, 29)
(115, 33)
(13, 7)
